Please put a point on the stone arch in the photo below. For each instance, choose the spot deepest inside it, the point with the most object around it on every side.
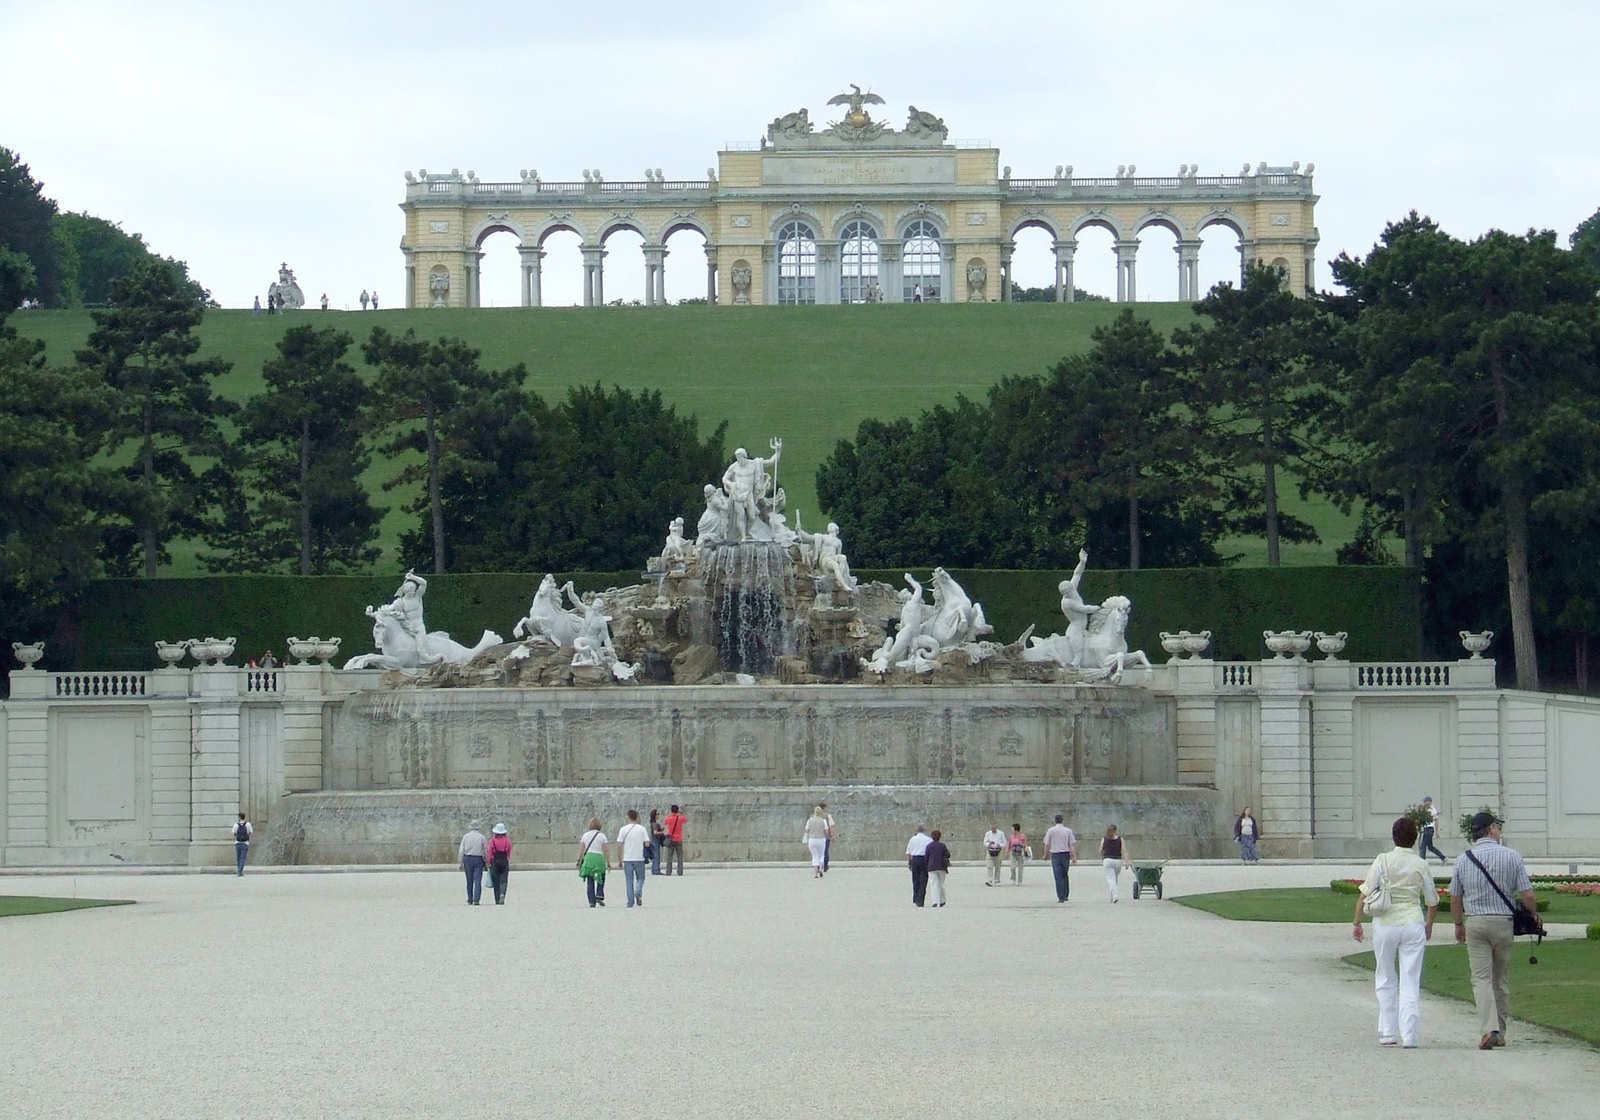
(566, 223)
(872, 216)
(1166, 219)
(615, 224)
(681, 222)
(925, 212)
(503, 223)
(796, 212)
(1104, 219)
(1034, 220)
(1224, 216)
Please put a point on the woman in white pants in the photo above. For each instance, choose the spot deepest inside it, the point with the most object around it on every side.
(816, 838)
(1400, 933)
(1113, 857)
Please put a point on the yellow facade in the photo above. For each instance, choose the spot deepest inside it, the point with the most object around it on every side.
(858, 212)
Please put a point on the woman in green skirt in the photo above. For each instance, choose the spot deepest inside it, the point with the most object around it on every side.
(593, 862)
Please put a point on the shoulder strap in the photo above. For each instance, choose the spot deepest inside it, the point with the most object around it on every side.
(592, 839)
(1511, 906)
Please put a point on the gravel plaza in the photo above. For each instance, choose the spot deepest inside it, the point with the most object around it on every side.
(734, 992)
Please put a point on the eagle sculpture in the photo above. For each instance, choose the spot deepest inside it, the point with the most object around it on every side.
(857, 116)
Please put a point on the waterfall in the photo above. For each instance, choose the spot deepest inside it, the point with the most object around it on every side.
(751, 587)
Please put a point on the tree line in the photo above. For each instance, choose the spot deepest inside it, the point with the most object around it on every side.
(106, 462)
(1449, 395)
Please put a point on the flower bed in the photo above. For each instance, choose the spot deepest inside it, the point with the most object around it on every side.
(1578, 888)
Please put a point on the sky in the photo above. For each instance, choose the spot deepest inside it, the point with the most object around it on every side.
(235, 136)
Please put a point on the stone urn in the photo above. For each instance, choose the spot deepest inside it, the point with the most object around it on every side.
(213, 650)
(171, 653)
(327, 649)
(1174, 643)
(1197, 643)
(1475, 644)
(1288, 645)
(302, 649)
(1332, 644)
(29, 654)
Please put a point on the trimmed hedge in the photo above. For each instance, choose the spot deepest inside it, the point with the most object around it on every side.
(118, 621)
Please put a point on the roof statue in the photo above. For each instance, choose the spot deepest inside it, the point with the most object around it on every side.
(857, 116)
(855, 129)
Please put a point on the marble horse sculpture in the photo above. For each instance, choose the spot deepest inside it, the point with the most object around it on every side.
(547, 621)
(403, 639)
(1105, 644)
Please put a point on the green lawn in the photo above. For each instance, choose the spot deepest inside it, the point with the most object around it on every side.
(1319, 904)
(16, 905)
(808, 374)
(1562, 991)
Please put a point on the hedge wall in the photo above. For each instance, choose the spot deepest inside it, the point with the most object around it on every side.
(118, 621)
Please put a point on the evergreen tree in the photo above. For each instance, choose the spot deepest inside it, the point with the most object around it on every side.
(1256, 380)
(418, 397)
(26, 217)
(161, 401)
(301, 443)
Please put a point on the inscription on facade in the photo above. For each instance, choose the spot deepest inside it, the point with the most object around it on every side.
(880, 170)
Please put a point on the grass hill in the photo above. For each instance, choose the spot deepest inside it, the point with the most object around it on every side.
(807, 374)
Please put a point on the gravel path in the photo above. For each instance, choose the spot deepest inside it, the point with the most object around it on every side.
(732, 993)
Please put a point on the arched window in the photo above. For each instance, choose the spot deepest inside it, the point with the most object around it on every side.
(858, 264)
(797, 264)
(921, 263)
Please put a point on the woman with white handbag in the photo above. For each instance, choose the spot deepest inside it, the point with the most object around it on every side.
(1397, 889)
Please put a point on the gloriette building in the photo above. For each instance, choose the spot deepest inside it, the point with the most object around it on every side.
(854, 212)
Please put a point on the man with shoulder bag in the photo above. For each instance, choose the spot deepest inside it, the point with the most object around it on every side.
(1486, 920)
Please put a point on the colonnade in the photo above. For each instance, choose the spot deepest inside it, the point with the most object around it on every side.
(532, 269)
(1127, 251)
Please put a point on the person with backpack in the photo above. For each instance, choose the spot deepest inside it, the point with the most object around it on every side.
(499, 863)
(241, 839)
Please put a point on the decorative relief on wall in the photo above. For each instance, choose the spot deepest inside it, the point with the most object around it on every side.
(438, 227)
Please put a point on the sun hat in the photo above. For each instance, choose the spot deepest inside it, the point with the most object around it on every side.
(499, 830)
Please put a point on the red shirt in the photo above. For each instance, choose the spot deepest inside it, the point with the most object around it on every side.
(674, 826)
(499, 845)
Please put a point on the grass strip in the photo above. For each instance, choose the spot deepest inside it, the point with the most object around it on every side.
(1319, 904)
(1561, 992)
(17, 905)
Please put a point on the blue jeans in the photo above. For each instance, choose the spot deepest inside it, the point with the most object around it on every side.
(241, 848)
(827, 850)
(633, 880)
(473, 866)
(596, 886)
(1059, 862)
(655, 857)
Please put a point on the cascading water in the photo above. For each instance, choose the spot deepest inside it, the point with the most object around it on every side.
(751, 585)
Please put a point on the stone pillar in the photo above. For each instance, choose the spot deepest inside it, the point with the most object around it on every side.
(1195, 694)
(473, 259)
(531, 256)
(711, 275)
(654, 255)
(1066, 252)
(214, 765)
(891, 272)
(1311, 271)
(411, 279)
(1247, 257)
(827, 272)
(1333, 769)
(659, 291)
(1188, 269)
(1006, 249)
(1285, 759)
(1127, 257)
(952, 280)
(593, 276)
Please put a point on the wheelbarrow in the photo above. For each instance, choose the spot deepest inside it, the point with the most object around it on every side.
(1147, 876)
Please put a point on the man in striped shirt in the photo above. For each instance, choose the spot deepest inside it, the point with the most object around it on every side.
(1483, 921)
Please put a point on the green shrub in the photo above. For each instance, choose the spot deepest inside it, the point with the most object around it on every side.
(1594, 931)
(1466, 818)
(1344, 886)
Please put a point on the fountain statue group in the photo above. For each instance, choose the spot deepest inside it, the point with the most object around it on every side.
(735, 575)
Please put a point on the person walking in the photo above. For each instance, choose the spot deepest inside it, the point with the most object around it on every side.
(474, 851)
(500, 863)
(257, 309)
(994, 845)
(632, 839)
(1486, 876)
(674, 824)
(658, 840)
(815, 838)
(917, 861)
(374, 299)
(365, 299)
(1062, 844)
(1246, 831)
(938, 857)
(1430, 828)
(1113, 857)
(1400, 932)
(827, 848)
(593, 863)
(1021, 853)
(241, 831)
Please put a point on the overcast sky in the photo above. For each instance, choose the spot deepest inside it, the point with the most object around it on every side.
(235, 136)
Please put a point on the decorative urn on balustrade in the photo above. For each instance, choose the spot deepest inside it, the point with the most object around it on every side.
(28, 653)
(303, 649)
(1475, 644)
(171, 653)
(1332, 644)
(1287, 644)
